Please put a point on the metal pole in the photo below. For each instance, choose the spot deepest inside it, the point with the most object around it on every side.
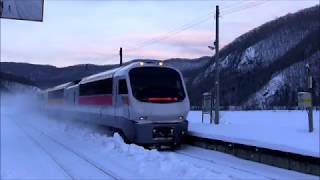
(1, 8)
(310, 118)
(310, 113)
(217, 83)
(211, 106)
(203, 107)
(120, 56)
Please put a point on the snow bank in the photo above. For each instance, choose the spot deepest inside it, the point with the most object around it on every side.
(147, 164)
(110, 152)
(278, 130)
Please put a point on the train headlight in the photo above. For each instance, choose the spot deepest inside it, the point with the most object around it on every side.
(180, 117)
(143, 118)
(141, 63)
(161, 63)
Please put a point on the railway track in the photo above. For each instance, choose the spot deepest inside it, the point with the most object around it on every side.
(213, 162)
(280, 159)
(34, 134)
(217, 163)
(62, 149)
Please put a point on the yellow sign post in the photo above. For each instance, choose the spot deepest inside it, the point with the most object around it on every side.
(305, 101)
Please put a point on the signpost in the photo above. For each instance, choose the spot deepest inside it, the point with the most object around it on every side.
(305, 102)
(305, 99)
(207, 105)
(30, 10)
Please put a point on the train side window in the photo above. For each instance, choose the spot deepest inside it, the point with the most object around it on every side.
(123, 89)
(57, 94)
(96, 87)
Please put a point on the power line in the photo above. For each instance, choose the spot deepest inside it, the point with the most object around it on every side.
(172, 33)
(166, 35)
(230, 9)
(156, 40)
(227, 10)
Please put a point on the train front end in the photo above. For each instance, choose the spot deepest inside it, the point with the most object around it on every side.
(159, 105)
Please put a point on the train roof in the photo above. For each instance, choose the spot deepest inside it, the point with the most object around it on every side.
(106, 74)
(99, 76)
(72, 86)
(61, 86)
(117, 71)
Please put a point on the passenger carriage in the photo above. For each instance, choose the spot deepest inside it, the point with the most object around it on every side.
(146, 102)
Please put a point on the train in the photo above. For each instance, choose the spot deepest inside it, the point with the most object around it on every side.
(146, 103)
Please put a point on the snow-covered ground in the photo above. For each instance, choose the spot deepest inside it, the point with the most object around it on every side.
(35, 146)
(278, 130)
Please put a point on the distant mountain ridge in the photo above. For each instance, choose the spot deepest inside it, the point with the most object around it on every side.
(260, 69)
(45, 76)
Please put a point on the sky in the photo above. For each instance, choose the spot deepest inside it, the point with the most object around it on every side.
(92, 31)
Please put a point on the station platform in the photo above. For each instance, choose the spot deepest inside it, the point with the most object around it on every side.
(278, 138)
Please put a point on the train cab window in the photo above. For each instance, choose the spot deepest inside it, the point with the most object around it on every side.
(123, 89)
(96, 87)
(156, 85)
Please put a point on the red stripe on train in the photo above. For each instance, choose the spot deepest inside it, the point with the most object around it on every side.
(96, 100)
(162, 99)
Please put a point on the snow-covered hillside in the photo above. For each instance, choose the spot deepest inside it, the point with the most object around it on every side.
(284, 83)
(185, 65)
(252, 65)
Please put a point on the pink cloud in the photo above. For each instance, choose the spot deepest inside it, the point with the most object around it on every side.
(163, 38)
(189, 44)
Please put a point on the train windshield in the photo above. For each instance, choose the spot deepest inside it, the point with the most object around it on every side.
(156, 85)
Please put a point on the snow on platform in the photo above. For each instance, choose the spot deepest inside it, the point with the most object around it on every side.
(35, 146)
(278, 130)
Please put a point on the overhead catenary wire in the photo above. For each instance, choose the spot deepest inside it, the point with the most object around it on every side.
(158, 39)
(226, 10)
(174, 32)
(166, 35)
(230, 10)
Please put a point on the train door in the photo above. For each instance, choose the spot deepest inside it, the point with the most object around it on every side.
(122, 100)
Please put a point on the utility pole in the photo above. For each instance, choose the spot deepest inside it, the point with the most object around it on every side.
(217, 79)
(1, 8)
(120, 53)
(309, 109)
